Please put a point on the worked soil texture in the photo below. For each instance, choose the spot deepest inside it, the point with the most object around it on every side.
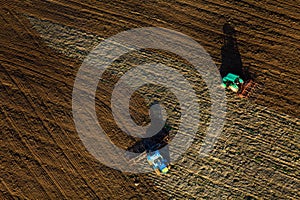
(42, 46)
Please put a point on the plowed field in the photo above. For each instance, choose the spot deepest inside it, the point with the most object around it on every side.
(42, 46)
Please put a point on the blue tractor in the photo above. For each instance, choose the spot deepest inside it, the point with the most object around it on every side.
(157, 162)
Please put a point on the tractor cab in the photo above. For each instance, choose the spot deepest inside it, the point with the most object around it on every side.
(232, 81)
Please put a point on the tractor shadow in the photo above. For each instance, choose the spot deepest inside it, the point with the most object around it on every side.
(150, 144)
(156, 142)
(231, 57)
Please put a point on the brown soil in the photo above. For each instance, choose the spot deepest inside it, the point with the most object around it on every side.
(42, 156)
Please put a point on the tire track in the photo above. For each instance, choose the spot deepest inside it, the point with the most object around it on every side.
(61, 76)
(117, 178)
(28, 147)
(32, 104)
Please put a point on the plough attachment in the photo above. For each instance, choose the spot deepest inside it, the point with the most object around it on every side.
(248, 88)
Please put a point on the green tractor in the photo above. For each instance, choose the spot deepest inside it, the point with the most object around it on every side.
(237, 85)
(233, 82)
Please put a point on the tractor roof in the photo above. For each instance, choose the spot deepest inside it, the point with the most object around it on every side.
(231, 76)
(154, 155)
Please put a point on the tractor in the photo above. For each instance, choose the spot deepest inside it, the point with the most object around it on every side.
(157, 162)
(237, 85)
(232, 82)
